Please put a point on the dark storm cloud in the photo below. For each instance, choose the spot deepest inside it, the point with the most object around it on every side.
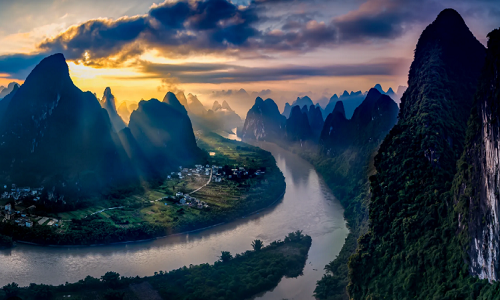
(99, 38)
(185, 27)
(260, 28)
(178, 28)
(218, 73)
(18, 65)
(384, 19)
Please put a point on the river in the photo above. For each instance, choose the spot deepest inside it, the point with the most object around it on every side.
(307, 205)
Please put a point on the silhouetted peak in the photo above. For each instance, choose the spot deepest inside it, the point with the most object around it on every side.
(334, 98)
(216, 106)
(448, 28)
(449, 17)
(259, 101)
(225, 105)
(296, 111)
(270, 101)
(108, 100)
(373, 93)
(390, 91)
(339, 108)
(4, 91)
(13, 85)
(171, 99)
(345, 94)
(401, 90)
(107, 92)
(51, 69)
(378, 87)
(494, 42)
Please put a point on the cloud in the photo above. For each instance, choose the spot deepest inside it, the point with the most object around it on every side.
(244, 29)
(18, 66)
(176, 28)
(384, 19)
(221, 73)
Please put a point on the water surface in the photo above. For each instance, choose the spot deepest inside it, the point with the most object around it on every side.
(307, 205)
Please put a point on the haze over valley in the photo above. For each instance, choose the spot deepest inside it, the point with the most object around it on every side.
(249, 149)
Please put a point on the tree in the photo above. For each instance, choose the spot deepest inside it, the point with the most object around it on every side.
(257, 245)
(111, 278)
(114, 295)
(5, 241)
(11, 289)
(225, 256)
(41, 291)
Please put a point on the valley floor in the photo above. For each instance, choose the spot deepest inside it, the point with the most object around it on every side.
(160, 211)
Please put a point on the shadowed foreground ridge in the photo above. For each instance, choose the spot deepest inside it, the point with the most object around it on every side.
(411, 249)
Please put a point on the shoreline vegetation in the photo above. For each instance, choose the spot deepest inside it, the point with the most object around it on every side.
(154, 238)
(238, 277)
(347, 175)
(145, 218)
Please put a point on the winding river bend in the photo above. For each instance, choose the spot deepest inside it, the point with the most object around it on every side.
(307, 205)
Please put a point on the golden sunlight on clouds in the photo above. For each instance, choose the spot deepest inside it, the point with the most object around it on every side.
(154, 56)
(96, 80)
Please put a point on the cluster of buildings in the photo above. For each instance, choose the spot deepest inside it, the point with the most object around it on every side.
(197, 171)
(218, 173)
(22, 219)
(18, 193)
(185, 199)
(19, 218)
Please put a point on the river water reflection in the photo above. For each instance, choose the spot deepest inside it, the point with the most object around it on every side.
(307, 205)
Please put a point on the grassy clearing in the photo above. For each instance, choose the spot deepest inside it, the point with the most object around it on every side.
(145, 215)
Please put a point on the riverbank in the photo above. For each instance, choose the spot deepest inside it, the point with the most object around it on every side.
(279, 198)
(237, 277)
(347, 175)
(144, 218)
(308, 205)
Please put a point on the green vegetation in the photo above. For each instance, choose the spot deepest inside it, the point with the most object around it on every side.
(414, 248)
(5, 241)
(156, 212)
(238, 277)
(347, 175)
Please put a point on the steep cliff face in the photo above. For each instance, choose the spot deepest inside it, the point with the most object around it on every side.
(297, 128)
(370, 123)
(480, 168)
(300, 102)
(164, 133)
(411, 245)
(264, 121)
(315, 117)
(52, 131)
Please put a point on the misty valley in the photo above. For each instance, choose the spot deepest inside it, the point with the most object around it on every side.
(212, 189)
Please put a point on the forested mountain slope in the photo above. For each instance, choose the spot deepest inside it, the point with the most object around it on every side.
(477, 182)
(411, 249)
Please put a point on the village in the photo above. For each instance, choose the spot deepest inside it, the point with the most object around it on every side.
(18, 211)
(15, 198)
(216, 174)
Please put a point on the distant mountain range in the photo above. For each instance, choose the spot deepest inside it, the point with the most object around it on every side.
(4, 91)
(350, 101)
(371, 120)
(53, 134)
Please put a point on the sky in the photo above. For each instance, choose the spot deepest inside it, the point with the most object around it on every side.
(273, 48)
